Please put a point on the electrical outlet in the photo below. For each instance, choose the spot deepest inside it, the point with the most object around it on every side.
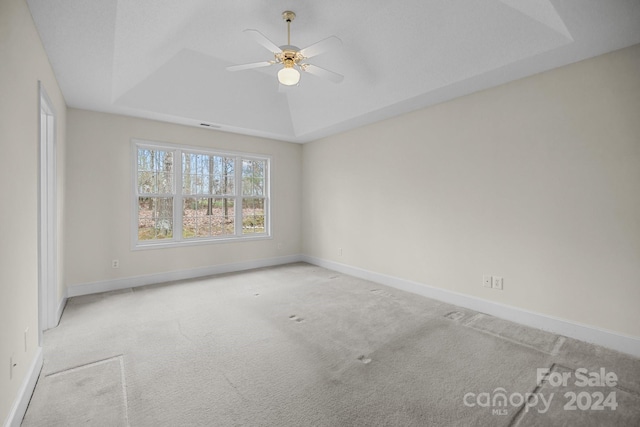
(486, 281)
(115, 263)
(26, 339)
(498, 282)
(339, 251)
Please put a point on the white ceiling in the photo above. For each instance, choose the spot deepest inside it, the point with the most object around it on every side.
(166, 59)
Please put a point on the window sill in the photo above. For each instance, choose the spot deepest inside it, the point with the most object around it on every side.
(137, 246)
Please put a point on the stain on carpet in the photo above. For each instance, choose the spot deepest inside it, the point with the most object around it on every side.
(455, 315)
(364, 359)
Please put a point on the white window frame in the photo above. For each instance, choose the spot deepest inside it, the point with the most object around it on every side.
(178, 196)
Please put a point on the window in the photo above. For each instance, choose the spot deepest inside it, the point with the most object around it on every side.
(156, 192)
(208, 183)
(186, 195)
(253, 199)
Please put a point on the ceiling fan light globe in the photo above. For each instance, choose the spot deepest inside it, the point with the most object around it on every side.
(289, 76)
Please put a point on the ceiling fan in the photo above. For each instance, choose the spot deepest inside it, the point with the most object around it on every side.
(292, 57)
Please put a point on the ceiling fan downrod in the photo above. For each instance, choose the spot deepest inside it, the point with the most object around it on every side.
(288, 16)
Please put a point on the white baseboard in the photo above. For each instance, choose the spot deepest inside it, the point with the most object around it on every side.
(20, 404)
(150, 279)
(591, 334)
(605, 338)
(61, 304)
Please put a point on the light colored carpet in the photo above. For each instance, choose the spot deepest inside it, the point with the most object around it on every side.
(299, 345)
(83, 395)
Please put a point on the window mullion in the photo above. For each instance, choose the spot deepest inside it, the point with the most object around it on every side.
(238, 195)
(177, 197)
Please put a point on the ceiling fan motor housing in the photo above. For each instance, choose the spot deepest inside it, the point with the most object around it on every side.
(289, 56)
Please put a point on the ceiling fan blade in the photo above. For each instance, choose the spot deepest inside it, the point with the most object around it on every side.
(321, 72)
(264, 41)
(321, 46)
(249, 66)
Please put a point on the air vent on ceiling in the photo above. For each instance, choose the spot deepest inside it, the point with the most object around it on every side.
(209, 125)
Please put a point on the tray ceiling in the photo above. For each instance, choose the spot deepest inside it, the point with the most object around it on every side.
(165, 60)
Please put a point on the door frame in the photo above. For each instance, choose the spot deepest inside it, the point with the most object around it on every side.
(47, 218)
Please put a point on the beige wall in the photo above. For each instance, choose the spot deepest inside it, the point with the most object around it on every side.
(99, 199)
(23, 64)
(536, 181)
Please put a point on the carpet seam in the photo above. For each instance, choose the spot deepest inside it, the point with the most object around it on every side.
(518, 416)
(555, 350)
(85, 365)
